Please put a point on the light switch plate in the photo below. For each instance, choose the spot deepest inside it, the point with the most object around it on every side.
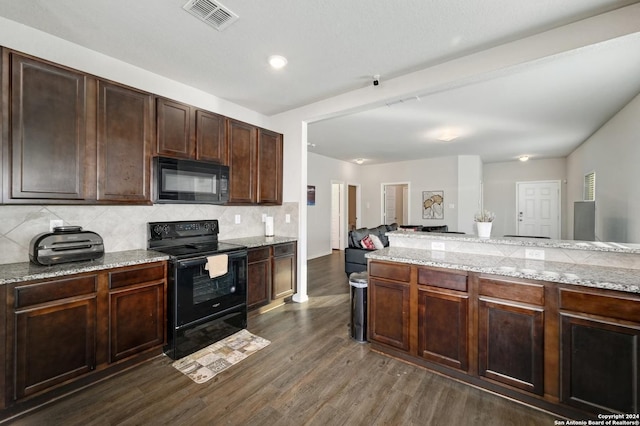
(238, 219)
(287, 218)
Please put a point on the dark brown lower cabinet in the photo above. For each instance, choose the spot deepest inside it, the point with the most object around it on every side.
(66, 329)
(442, 327)
(284, 270)
(389, 313)
(568, 349)
(510, 345)
(54, 343)
(137, 311)
(600, 365)
(600, 352)
(259, 277)
(272, 274)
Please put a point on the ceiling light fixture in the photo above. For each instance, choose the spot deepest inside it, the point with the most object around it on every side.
(277, 62)
(448, 135)
(359, 160)
(523, 158)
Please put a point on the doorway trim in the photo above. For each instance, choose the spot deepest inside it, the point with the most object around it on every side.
(382, 200)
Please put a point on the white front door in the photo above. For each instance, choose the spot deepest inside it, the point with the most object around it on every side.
(538, 209)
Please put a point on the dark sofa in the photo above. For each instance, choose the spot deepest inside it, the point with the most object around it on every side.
(354, 260)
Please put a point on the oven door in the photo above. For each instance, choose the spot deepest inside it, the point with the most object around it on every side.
(200, 297)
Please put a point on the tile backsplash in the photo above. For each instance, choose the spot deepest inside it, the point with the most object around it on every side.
(125, 227)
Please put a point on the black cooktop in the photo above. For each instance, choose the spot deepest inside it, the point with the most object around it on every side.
(187, 239)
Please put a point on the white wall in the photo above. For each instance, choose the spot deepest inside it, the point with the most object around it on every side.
(613, 152)
(500, 189)
(321, 173)
(469, 192)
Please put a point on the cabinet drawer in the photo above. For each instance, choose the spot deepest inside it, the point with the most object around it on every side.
(284, 249)
(128, 277)
(390, 271)
(607, 306)
(54, 290)
(258, 254)
(450, 280)
(512, 290)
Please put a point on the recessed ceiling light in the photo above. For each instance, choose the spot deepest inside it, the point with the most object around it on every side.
(359, 160)
(523, 158)
(277, 61)
(448, 135)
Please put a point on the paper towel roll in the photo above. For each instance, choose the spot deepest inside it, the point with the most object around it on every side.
(268, 226)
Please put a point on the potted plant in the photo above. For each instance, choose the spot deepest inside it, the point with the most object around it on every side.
(484, 219)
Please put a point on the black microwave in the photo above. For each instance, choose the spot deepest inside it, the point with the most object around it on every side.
(190, 181)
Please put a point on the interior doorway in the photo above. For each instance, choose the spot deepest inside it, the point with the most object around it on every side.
(336, 216)
(352, 207)
(538, 209)
(395, 203)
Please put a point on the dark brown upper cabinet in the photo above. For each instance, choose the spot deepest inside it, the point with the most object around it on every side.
(70, 138)
(269, 167)
(187, 132)
(242, 162)
(47, 131)
(125, 135)
(255, 164)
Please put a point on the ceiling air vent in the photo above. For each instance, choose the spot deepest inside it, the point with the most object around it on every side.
(211, 12)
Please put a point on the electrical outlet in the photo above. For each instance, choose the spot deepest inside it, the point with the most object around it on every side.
(437, 245)
(238, 220)
(54, 223)
(264, 217)
(534, 254)
(287, 218)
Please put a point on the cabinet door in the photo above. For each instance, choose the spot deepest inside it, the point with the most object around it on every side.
(259, 283)
(53, 344)
(389, 313)
(510, 348)
(137, 310)
(211, 142)
(284, 270)
(175, 130)
(269, 167)
(242, 162)
(137, 320)
(600, 365)
(125, 129)
(442, 327)
(48, 131)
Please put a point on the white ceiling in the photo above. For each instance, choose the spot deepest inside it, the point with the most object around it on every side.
(336, 46)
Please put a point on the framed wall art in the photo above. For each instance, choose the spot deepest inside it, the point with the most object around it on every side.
(433, 204)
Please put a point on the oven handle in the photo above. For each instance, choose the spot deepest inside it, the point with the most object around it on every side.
(202, 260)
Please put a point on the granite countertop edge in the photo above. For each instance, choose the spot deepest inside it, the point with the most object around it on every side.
(260, 241)
(608, 278)
(522, 241)
(27, 271)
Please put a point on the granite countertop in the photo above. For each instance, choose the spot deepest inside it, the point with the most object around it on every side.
(252, 242)
(620, 279)
(27, 271)
(523, 241)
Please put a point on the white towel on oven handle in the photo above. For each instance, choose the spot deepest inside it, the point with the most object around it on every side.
(217, 265)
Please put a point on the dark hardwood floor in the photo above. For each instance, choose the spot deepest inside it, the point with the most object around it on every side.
(311, 374)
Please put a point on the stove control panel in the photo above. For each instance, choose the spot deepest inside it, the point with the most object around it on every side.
(182, 229)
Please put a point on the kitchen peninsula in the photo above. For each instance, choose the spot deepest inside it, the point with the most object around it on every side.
(553, 324)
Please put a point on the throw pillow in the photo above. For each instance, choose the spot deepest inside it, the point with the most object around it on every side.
(377, 243)
(367, 243)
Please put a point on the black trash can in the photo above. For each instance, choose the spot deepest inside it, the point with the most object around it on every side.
(358, 282)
